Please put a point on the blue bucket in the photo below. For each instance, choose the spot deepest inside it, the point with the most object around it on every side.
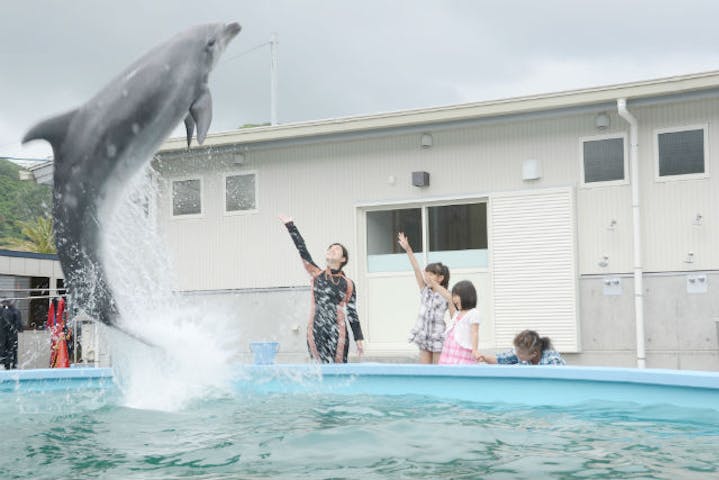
(264, 352)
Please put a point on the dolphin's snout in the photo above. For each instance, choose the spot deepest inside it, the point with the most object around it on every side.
(232, 29)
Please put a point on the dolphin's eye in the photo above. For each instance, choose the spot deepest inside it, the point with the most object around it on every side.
(211, 42)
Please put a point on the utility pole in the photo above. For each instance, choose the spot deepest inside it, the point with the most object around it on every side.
(273, 80)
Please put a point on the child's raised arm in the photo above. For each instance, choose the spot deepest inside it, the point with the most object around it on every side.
(404, 243)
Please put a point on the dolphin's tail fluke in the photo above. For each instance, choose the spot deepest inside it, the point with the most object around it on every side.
(53, 130)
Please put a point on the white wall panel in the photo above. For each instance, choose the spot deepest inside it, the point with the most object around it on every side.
(670, 207)
(604, 228)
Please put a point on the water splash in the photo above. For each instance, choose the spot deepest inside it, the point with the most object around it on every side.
(190, 357)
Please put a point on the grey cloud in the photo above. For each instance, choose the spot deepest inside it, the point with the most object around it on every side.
(341, 57)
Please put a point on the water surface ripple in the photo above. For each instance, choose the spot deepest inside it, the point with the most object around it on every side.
(87, 434)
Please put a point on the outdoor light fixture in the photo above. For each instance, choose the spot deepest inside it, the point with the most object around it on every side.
(698, 220)
(420, 179)
(238, 158)
(604, 261)
(612, 225)
(426, 141)
(601, 121)
(531, 169)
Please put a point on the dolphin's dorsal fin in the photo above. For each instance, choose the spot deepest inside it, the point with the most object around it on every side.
(53, 130)
(201, 111)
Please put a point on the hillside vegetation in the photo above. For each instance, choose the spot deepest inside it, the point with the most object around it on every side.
(25, 212)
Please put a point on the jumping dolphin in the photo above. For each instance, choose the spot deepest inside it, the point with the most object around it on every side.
(101, 145)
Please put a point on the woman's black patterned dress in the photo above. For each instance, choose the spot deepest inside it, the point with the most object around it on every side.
(333, 294)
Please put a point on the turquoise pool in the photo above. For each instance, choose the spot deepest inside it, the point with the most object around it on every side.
(370, 421)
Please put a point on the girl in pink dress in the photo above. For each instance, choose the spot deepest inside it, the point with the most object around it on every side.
(462, 336)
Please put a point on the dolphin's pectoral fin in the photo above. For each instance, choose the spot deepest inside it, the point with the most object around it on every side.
(201, 111)
(190, 127)
(53, 130)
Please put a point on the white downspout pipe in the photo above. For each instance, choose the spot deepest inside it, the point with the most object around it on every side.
(636, 224)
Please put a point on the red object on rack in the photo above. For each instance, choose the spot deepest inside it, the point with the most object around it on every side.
(59, 357)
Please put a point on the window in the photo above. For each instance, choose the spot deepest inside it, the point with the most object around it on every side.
(603, 160)
(240, 193)
(456, 235)
(186, 197)
(458, 227)
(383, 252)
(681, 152)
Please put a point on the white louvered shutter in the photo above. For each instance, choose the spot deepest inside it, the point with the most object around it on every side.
(534, 273)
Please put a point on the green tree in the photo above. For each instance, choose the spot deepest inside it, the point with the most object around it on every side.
(38, 236)
(20, 201)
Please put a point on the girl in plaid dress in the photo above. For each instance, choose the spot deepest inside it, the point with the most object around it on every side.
(428, 331)
(462, 336)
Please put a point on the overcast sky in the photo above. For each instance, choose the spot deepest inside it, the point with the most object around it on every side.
(341, 58)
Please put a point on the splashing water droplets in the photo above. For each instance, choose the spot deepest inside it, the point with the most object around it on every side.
(191, 358)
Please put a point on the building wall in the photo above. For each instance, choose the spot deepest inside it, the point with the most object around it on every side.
(325, 186)
(681, 328)
(30, 267)
(16, 272)
(668, 208)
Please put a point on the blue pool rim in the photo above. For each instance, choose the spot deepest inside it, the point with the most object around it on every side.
(530, 385)
(653, 376)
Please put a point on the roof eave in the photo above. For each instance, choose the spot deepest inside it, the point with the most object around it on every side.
(454, 113)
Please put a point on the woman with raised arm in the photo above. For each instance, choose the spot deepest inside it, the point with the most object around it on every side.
(333, 301)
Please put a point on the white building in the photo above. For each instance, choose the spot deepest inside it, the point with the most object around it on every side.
(553, 205)
(41, 171)
(31, 279)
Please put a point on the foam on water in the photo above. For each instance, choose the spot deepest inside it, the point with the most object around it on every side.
(189, 357)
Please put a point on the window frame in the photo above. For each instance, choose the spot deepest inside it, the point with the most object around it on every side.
(684, 176)
(238, 173)
(606, 183)
(423, 257)
(172, 197)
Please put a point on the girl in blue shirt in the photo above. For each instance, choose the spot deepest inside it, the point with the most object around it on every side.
(529, 349)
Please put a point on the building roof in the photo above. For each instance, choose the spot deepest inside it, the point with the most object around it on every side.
(39, 256)
(27, 163)
(39, 170)
(603, 97)
(43, 172)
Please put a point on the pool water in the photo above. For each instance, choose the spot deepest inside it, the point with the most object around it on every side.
(87, 433)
